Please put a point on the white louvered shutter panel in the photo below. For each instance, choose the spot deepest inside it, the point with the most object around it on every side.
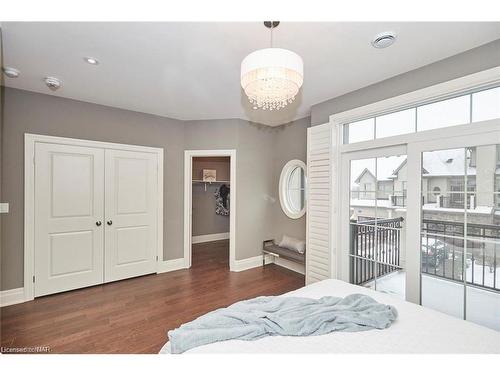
(319, 203)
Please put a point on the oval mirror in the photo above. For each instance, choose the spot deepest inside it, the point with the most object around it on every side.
(293, 189)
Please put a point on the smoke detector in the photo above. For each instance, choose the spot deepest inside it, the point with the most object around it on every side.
(384, 40)
(11, 72)
(52, 83)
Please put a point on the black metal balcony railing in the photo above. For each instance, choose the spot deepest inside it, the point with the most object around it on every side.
(442, 250)
(456, 200)
(398, 200)
(364, 238)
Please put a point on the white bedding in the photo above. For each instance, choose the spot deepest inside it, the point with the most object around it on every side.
(417, 330)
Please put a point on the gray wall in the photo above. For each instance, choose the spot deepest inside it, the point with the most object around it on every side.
(481, 58)
(205, 220)
(26, 112)
(261, 153)
(257, 170)
(254, 174)
(1, 137)
(287, 146)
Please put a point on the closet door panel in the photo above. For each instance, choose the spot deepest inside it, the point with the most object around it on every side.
(131, 214)
(69, 202)
(319, 204)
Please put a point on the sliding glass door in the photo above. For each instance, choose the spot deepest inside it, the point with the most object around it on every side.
(377, 221)
(452, 258)
(422, 221)
(460, 232)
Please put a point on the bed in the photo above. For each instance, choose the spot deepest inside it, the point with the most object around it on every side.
(417, 330)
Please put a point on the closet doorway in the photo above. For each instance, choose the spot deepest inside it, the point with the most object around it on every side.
(93, 213)
(209, 201)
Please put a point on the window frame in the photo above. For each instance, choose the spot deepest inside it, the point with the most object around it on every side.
(457, 87)
(487, 83)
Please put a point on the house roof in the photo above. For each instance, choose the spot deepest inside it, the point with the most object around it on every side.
(385, 168)
(442, 163)
(366, 170)
(446, 163)
(435, 163)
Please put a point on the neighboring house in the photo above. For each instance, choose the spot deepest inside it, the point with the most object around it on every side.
(443, 184)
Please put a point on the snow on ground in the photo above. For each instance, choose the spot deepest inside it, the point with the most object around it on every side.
(483, 306)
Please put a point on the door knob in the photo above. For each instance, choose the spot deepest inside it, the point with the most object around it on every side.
(98, 223)
(109, 222)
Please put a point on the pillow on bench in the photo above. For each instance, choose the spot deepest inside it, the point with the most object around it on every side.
(293, 244)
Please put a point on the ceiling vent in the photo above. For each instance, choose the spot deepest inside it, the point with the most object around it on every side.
(384, 40)
(52, 83)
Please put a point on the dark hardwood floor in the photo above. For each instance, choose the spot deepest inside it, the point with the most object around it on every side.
(134, 315)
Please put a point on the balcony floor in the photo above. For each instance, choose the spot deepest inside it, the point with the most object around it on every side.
(483, 306)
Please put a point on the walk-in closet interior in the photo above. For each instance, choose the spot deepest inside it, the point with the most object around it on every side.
(210, 209)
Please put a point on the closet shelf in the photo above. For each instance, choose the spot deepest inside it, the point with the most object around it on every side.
(208, 182)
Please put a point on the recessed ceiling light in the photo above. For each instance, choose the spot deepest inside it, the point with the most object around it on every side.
(91, 60)
(11, 72)
(384, 40)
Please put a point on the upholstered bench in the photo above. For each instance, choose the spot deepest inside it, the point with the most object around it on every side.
(269, 247)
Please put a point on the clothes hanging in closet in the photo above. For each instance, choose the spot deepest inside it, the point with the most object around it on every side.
(222, 200)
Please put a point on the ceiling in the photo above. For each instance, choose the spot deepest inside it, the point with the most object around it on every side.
(190, 71)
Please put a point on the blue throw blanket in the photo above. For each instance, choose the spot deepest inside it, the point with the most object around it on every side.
(283, 316)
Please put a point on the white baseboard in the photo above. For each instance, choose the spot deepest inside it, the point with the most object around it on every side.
(248, 263)
(15, 296)
(12, 297)
(210, 237)
(171, 265)
(293, 266)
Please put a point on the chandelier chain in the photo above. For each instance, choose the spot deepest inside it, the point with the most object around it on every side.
(272, 28)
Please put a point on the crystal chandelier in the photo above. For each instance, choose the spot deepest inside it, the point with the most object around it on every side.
(272, 77)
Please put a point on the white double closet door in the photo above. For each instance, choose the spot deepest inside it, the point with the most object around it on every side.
(95, 216)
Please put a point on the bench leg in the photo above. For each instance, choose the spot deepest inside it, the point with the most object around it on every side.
(263, 259)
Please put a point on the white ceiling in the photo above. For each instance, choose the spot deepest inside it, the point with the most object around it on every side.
(191, 70)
